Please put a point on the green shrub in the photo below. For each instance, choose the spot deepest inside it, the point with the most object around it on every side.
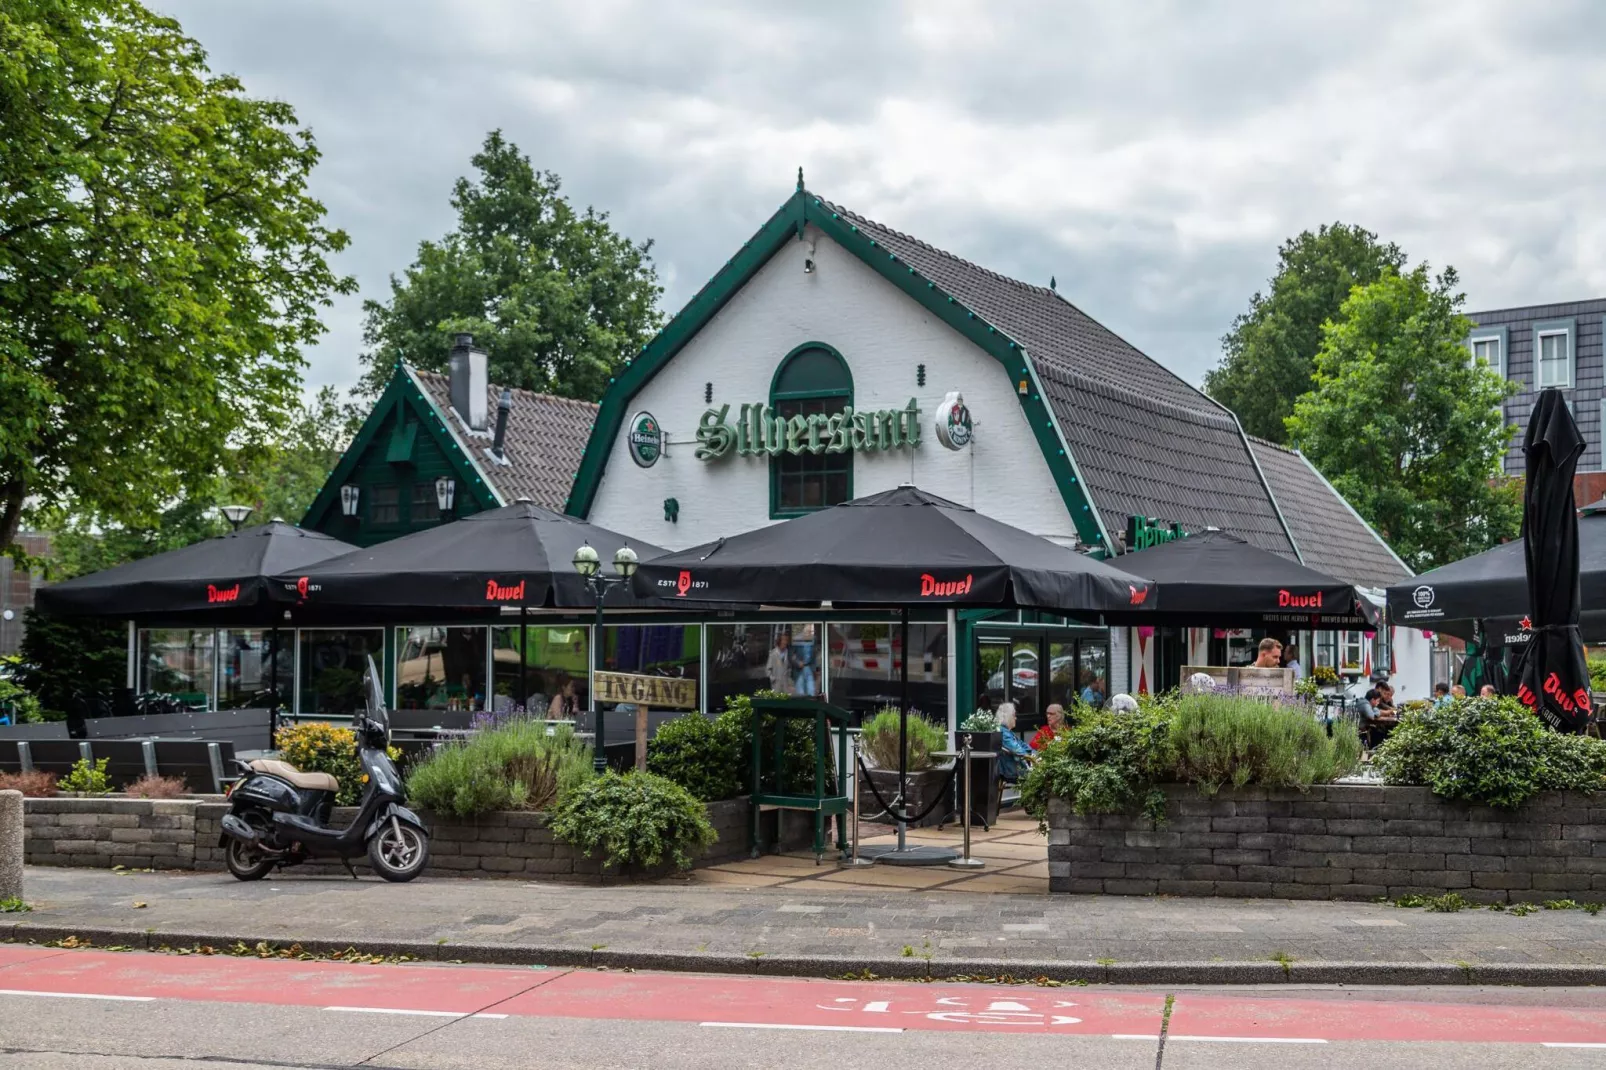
(515, 766)
(16, 701)
(880, 736)
(1223, 740)
(797, 754)
(1597, 674)
(635, 820)
(1106, 763)
(87, 778)
(700, 755)
(1494, 751)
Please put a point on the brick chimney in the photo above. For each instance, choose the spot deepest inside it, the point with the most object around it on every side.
(470, 380)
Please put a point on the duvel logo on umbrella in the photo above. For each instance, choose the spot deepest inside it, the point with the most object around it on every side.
(215, 593)
(932, 587)
(1138, 596)
(1290, 600)
(497, 592)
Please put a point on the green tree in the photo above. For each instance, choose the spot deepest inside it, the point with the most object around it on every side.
(1268, 356)
(161, 263)
(1406, 426)
(558, 298)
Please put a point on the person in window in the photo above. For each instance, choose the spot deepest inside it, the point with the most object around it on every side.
(803, 662)
(1056, 724)
(1014, 755)
(563, 704)
(779, 666)
(1291, 661)
(1093, 694)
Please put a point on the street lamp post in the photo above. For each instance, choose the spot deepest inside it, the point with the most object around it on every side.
(588, 563)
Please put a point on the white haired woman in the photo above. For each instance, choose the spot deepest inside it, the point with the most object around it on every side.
(1014, 755)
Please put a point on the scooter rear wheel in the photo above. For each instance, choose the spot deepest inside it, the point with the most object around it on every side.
(398, 852)
(246, 862)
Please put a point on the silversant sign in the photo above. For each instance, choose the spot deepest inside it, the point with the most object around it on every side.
(760, 431)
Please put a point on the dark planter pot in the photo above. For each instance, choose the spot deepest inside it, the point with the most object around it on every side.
(924, 786)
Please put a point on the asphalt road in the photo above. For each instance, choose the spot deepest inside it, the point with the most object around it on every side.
(100, 1010)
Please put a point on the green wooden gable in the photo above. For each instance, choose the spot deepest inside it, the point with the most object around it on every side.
(404, 446)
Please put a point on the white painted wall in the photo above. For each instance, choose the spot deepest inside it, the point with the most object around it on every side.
(883, 335)
(1413, 663)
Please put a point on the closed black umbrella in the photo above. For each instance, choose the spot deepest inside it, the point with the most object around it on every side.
(520, 555)
(1551, 673)
(899, 548)
(226, 578)
(1218, 580)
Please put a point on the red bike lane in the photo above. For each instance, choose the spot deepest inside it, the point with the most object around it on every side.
(721, 1001)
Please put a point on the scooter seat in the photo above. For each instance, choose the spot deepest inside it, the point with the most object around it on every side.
(295, 777)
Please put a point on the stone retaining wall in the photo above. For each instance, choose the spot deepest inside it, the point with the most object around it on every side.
(1335, 841)
(183, 834)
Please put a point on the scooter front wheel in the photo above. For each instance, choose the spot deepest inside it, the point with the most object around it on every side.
(398, 852)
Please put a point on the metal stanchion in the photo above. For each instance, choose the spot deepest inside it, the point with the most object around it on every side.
(853, 859)
(964, 861)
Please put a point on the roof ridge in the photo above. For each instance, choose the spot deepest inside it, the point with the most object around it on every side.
(1082, 379)
(1274, 445)
(517, 389)
(955, 257)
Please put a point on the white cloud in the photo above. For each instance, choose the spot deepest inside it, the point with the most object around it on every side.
(1152, 156)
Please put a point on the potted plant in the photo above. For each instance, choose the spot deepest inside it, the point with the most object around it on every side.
(982, 727)
(1326, 678)
(926, 778)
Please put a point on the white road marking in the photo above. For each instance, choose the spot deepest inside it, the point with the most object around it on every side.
(398, 1010)
(1248, 1040)
(75, 995)
(820, 1028)
(1567, 1044)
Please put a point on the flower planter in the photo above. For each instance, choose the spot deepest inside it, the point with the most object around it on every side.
(924, 787)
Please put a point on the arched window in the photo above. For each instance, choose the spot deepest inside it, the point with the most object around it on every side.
(813, 378)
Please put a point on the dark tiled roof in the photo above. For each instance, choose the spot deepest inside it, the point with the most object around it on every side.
(1331, 538)
(1047, 326)
(546, 437)
(1146, 442)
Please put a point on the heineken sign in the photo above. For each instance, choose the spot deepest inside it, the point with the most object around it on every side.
(1142, 532)
(760, 431)
(645, 439)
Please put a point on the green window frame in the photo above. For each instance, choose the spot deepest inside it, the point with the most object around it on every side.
(811, 378)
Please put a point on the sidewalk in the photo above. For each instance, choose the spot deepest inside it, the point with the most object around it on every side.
(801, 931)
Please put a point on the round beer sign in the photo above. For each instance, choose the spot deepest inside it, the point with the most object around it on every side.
(953, 422)
(646, 439)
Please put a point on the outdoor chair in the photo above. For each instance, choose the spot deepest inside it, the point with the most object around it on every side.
(126, 760)
(10, 757)
(202, 764)
(56, 756)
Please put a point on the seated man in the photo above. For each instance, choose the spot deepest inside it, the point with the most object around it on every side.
(1377, 718)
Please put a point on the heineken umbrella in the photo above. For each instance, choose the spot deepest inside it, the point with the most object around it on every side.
(1218, 580)
(1492, 587)
(1551, 675)
(896, 549)
(225, 579)
(1483, 664)
(521, 555)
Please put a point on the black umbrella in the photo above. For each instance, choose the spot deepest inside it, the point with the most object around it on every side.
(1551, 673)
(224, 577)
(1492, 587)
(899, 548)
(1218, 580)
(520, 555)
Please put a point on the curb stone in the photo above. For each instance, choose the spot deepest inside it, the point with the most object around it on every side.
(916, 969)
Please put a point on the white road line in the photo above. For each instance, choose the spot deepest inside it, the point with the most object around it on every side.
(398, 1010)
(1567, 1044)
(1248, 1040)
(75, 995)
(821, 1028)
(1134, 1036)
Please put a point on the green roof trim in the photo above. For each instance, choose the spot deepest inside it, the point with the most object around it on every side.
(799, 210)
(402, 395)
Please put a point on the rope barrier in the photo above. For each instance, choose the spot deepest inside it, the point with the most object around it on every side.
(886, 807)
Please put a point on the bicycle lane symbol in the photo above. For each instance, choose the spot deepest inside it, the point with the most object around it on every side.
(980, 1013)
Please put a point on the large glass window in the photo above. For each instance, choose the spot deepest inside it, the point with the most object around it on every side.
(556, 671)
(249, 663)
(439, 668)
(1555, 359)
(332, 664)
(177, 661)
(864, 667)
(811, 380)
(1078, 671)
(744, 658)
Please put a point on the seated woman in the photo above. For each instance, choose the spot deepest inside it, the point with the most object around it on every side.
(1056, 724)
(1014, 755)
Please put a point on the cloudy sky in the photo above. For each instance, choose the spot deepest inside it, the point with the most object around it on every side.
(1150, 155)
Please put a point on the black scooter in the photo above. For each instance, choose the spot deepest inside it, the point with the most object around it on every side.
(279, 816)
